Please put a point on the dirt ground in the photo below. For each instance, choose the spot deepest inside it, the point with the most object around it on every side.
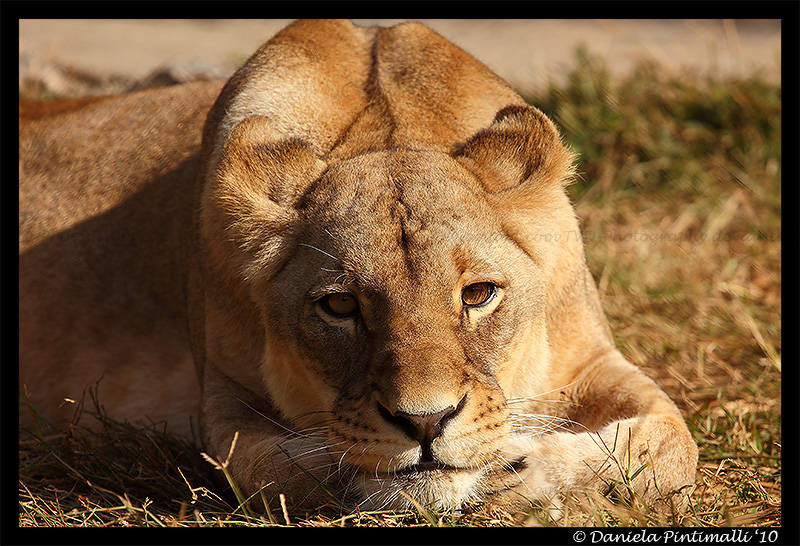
(527, 53)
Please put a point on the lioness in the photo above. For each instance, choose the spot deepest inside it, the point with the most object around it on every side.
(368, 262)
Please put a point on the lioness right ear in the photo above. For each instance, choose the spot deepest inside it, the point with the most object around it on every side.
(520, 150)
(256, 159)
(248, 209)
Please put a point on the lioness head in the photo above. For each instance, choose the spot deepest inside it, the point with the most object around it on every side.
(390, 277)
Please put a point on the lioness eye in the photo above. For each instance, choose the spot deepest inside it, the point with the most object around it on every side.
(478, 294)
(339, 305)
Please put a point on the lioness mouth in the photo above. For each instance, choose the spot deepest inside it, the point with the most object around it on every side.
(426, 466)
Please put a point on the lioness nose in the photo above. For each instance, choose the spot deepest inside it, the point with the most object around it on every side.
(424, 428)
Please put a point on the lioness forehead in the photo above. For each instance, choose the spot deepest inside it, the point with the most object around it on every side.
(390, 210)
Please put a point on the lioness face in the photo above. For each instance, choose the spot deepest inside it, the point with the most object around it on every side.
(399, 302)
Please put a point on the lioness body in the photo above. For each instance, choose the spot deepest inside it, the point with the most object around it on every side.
(362, 270)
(105, 199)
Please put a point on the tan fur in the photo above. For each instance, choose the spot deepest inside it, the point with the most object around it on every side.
(382, 163)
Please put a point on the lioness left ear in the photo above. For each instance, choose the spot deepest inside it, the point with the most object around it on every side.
(521, 147)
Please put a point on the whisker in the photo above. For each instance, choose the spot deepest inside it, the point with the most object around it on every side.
(307, 431)
(510, 466)
(564, 423)
(301, 457)
(308, 413)
(319, 250)
(535, 396)
(372, 496)
(378, 464)
(341, 459)
(273, 421)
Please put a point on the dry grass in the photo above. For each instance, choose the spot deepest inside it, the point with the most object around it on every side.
(681, 214)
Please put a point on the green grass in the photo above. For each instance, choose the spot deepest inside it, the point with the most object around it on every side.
(680, 203)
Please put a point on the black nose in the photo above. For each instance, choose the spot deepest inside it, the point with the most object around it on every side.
(423, 428)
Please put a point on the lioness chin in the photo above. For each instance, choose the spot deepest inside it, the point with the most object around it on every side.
(366, 272)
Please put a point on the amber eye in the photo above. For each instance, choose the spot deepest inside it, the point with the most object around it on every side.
(339, 305)
(478, 294)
